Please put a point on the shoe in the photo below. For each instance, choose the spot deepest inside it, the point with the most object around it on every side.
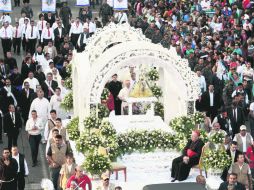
(173, 180)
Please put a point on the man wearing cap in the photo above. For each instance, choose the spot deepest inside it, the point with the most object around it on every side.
(243, 139)
(191, 154)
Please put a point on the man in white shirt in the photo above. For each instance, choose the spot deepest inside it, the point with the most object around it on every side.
(121, 17)
(22, 167)
(124, 95)
(243, 139)
(32, 35)
(41, 24)
(34, 126)
(202, 82)
(22, 19)
(5, 18)
(55, 103)
(47, 35)
(241, 91)
(75, 31)
(91, 26)
(33, 82)
(25, 26)
(42, 107)
(17, 35)
(83, 39)
(6, 37)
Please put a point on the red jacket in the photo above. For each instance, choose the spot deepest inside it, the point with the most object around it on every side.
(82, 181)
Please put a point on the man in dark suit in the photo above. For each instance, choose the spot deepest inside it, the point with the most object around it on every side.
(49, 86)
(233, 154)
(22, 169)
(27, 67)
(59, 33)
(12, 125)
(237, 118)
(9, 95)
(4, 72)
(114, 87)
(211, 102)
(232, 183)
(25, 100)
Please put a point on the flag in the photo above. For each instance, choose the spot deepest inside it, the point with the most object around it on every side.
(5, 6)
(120, 4)
(83, 3)
(48, 6)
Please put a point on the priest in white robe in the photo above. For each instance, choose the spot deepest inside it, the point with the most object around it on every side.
(33, 82)
(42, 107)
(55, 104)
(124, 95)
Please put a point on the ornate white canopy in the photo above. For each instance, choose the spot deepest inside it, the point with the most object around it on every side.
(94, 67)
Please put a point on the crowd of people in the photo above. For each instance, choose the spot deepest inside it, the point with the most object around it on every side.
(215, 36)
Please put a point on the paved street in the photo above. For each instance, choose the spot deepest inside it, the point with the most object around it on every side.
(41, 171)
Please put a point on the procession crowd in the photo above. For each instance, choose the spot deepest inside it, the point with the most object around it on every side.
(215, 36)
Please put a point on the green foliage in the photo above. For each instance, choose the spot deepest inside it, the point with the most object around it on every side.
(67, 103)
(73, 130)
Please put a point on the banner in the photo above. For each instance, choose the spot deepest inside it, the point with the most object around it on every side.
(83, 3)
(5, 6)
(48, 6)
(120, 4)
(110, 3)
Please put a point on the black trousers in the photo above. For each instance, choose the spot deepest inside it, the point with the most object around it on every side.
(6, 44)
(34, 141)
(54, 173)
(212, 112)
(20, 181)
(46, 41)
(32, 45)
(17, 3)
(16, 45)
(74, 39)
(12, 140)
(24, 44)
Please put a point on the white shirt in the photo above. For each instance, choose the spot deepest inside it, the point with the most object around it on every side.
(205, 4)
(24, 28)
(31, 124)
(211, 94)
(22, 21)
(121, 17)
(47, 33)
(55, 25)
(39, 58)
(252, 106)
(6, 32)
(55, 103)
(5, 18)
(46, 131)
(32, 34)
(202, 82)
(84, 39)
(25, 164)
(91, 27)
(17, 32)
(76, 29)
(41, 25)
(32, 83)
(42, 107)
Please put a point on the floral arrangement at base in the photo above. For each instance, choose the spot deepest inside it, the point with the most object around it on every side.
(67, 103)
(92, 122)
(144, 141)
(69, 69)
(153, 75)
(105, 94)
(106, 129)
(217, 138)
(157, 92)
(181, 141)
(73, 130)
(68, 83)
(216, 159)
(96, 164)
(88, 142)
(184, 125)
